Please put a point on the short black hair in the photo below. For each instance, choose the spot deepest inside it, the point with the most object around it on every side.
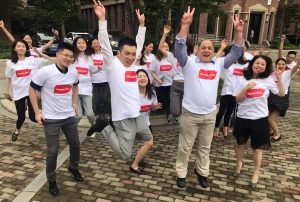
(292, 53)
(14, 55)
(62, 46)
(248, 72)
(126, 41)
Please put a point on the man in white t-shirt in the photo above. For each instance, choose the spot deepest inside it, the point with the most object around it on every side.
(59, 90)
(201, 79)
(125, 100)
(290, 57)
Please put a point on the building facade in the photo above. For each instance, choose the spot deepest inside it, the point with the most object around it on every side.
(259, 17)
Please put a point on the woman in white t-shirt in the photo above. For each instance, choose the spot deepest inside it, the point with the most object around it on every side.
(279, 105)
(147, 56)
(18, 73)
(101, 91)
(162, 72)
(148, 97)
(84, 65)
(252, 91)
(227, 101)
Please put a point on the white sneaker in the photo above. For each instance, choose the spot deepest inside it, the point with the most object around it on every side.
(93, 135)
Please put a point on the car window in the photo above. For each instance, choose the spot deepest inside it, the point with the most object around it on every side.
(69, 35)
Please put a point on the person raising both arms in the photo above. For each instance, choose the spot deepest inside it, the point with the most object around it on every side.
(201, 79)
(28, 39)
(125, 99)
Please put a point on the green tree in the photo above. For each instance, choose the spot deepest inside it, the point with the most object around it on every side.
(62, 15)
(9, 8)
(160, 12)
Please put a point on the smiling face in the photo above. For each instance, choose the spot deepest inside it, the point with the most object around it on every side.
(20, 49)
(142, 79)
(127, 55)
(96, 45)
(28, 39)
(206, 51)
(149, 48)
(290, 58)
(81, 45)
(64, 58)
(281, 65)
(259, 66)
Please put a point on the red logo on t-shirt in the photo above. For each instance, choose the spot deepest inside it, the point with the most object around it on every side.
(98, 62)
(256, 92)
(145, 108)
(82, 70)
(165, 68)
(207, 74)
(23, 72)
(130, 76)
(238, 72)
(148, 64)
(62, 89)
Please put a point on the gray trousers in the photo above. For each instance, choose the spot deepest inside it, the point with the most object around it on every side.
(176, 95)
(69, 128)
(85, 106)
(122, 139)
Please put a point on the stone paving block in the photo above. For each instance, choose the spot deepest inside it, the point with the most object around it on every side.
(164, 198)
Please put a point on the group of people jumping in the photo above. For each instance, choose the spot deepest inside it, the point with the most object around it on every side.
(116, 94)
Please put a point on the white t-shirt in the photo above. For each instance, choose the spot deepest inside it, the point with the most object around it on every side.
(255, 105)
(164, 69)
(56, 91)
(85, 67)
(146, 104)
(21, 74)
(286, 78)
(146, 67)
(201, 85)
(99, 77)
(230, 76)
(178, 71)
(248, 56)
(125, 99)
(34, 54)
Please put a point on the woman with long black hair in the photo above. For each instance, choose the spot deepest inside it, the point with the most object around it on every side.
(18, 73)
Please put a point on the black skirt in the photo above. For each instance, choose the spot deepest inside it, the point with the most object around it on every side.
(278, 103)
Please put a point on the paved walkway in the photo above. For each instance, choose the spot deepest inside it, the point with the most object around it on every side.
(107, 178)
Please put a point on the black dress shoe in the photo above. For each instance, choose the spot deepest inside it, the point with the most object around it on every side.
(275, 139)
(76, 174)
(53, 190)
(252, 186)
(180, 182)
(201, 179)
(138, 171)
(98, 126)
(14, 137)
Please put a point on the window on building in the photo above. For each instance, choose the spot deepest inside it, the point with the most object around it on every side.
(211, 24)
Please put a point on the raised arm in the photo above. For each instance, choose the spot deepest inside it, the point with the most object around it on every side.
(237, 47)
(6, 32)
(281, 90)
(51, 41)
(180, 47)
(161, 48)
(140, 37)
(220, 52)
(281, 44)
(295, 70)
(106, 49)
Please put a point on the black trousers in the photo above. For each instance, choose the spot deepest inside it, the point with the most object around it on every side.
(227, 105)
(21, 110)
(163, 96)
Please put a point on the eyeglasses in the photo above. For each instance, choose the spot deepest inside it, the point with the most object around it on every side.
(67, 56)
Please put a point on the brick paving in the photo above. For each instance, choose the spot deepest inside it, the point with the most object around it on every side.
(107, 179)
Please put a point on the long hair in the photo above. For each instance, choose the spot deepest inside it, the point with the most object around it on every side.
(149, 89)
(77, 52)
(90, 48)
(248, 72)
(143, 57)
(14, 55)
(242, 60)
